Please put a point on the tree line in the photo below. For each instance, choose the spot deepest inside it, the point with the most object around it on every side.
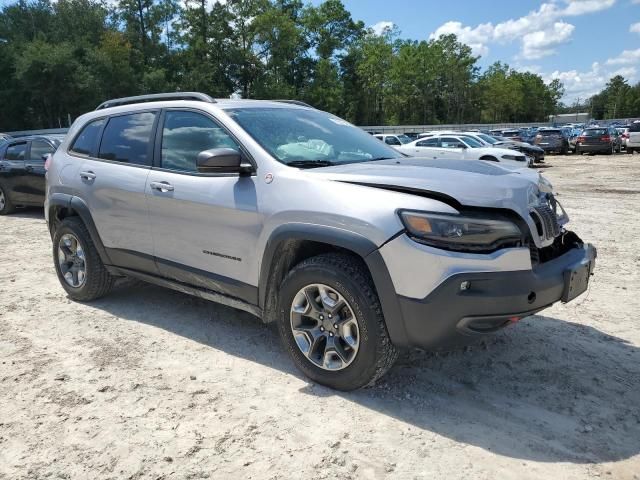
(617, 100)
(60, 59)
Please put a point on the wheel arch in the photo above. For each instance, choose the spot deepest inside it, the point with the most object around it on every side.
(62, 205)
(292, 243)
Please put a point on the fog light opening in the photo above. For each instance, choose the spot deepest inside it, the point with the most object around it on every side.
(532, 297)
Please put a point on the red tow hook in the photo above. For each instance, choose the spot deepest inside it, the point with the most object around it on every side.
(514, 319)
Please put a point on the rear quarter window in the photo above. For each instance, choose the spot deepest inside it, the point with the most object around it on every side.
(86, 143)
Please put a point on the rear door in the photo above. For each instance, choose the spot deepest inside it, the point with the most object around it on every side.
(205, 225)
(112, 183)
(13, 173)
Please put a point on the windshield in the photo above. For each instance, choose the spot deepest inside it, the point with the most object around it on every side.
(404, 139)
(294, 135)
(472, 142)
(487, 138)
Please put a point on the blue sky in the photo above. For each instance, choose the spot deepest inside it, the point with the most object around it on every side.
(581, 42)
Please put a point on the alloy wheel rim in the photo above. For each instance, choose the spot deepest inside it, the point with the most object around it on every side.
(71, 260)
(324, 327)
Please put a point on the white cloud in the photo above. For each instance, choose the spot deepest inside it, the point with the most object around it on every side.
(476, 38)
(539, 31)
(627, 57)
(582, 85)
(541, 43)
(635, 27)
(380, 27)
(580, 7)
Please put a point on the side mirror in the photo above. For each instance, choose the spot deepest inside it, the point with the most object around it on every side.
(221, 160)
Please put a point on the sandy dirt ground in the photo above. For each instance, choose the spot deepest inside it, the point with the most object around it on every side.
(150, 383)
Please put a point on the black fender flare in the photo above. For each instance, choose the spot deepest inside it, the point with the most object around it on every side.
(354, 242)
(76, 204)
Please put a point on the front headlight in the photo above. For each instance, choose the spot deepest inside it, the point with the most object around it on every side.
(460, 233)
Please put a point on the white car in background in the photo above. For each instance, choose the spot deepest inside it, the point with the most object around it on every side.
(394, 140)
(463, 147)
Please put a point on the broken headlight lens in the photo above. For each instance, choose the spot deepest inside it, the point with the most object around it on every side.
(459, 232)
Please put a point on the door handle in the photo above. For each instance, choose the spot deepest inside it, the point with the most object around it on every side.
(88, 175)
(162, 186)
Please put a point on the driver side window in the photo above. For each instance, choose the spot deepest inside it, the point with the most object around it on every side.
(185, 134)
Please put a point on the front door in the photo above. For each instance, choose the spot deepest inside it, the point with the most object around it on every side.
(205, 226)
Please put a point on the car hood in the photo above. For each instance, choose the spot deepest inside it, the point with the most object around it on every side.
(467, 182)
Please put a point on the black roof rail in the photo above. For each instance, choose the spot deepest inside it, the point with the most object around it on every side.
(294, 102)
(201, 97)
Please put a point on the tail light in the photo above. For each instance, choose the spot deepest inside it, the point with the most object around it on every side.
(606, 138)
(47, 162)
(624, 135)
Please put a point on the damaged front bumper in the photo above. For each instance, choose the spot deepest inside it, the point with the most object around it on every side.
(467, 305)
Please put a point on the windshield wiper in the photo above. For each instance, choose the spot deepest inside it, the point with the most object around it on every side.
(310, 163)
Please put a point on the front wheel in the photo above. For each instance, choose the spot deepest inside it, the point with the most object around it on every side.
(331, 323)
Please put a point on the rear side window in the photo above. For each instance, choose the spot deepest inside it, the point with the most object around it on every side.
(39, 148)
(126, 139)
(392, 141)
(432, 142)
(87, 142)
(16, 151)
(185, 134)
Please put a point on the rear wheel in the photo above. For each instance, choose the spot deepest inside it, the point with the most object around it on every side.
(611, 150)
(6, 205)
(78, 265)
(629, 151)
(331, 323)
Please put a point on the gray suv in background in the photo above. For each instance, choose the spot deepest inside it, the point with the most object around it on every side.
(302, 219)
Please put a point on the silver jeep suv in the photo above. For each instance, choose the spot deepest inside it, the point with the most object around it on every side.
(302, 219)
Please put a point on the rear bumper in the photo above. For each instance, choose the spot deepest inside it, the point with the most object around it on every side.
(452, 316)
(605, 147)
